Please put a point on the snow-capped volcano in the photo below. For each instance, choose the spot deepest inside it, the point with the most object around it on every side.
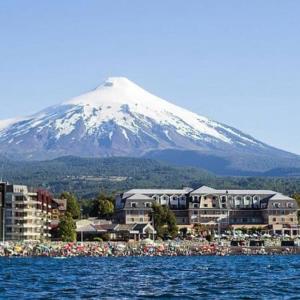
(119, 118)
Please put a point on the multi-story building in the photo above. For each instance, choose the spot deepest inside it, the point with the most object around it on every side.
(134, 205)
(26, 213)
(59, 207)
(212, 207)
(2, 201)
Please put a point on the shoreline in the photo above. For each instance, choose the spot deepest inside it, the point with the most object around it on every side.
(115, 249)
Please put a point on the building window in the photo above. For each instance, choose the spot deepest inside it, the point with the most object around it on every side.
(247, 201)
(196, 205)
(205, 205)
(164, 199)
(223, 199)
(133, 204)
(147, 204)
(256, 201)
(274, 219)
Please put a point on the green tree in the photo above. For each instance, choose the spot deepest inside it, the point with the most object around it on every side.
(158, 218)
(297, 198)
(72, 204)
(67, 228)
(102, 207)
(171, 223)
(164, 221)
(106, 208)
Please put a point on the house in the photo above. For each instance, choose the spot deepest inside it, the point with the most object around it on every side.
(90, 229)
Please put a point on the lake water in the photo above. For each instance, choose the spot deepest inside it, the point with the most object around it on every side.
(233, 277)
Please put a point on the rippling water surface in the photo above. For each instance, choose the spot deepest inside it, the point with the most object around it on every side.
(234, 277)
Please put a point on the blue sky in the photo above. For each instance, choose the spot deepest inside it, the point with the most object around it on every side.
(237, 62)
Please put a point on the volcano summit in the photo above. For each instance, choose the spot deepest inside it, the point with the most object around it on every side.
(119, 118)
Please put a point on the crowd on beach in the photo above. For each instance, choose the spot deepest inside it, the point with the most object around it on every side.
(143, 248)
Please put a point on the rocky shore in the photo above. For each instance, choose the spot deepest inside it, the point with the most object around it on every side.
(104, 249)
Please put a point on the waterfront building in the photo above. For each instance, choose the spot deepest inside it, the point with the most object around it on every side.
(2, 201)
(267, 209)
(134, 205)
(26, 213)
(88, 229)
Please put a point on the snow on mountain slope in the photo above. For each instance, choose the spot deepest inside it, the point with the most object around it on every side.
(119, 118)
(5, 123)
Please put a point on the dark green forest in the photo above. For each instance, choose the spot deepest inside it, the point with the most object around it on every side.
(87, 177)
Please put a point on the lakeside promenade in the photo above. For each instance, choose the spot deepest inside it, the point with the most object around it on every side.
(115, 249)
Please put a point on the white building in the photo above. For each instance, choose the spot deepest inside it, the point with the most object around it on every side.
(26, 214)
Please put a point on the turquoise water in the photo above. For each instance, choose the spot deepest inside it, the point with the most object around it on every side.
(233, 277)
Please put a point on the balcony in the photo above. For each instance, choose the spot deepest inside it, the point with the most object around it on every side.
(26, 209)
(30, 234)
(30, 225)
(26, 218)
(213, 216)
(26, 201)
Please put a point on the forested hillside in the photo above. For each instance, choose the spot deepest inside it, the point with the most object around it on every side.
(88, 176)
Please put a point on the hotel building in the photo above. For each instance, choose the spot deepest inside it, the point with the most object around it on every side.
(208, 206)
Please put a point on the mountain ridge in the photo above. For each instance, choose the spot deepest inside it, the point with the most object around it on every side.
(88, 176)
(119, 118)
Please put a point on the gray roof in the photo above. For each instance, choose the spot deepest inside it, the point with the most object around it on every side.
(204, 190)
(208, 190)
(86, 228)
(141, 226)
(156, 191)
(125, 227)
(105, 227)
(139, 197)
(248, 192)
(279, 196)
